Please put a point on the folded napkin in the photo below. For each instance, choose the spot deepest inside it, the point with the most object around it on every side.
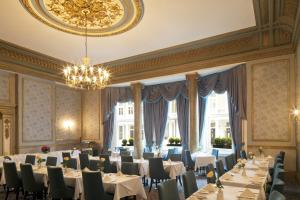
(227, 176)
(210, 188)
(107, 178)
(86, 169)
(119, 173)
(247, 194)
(169, 161)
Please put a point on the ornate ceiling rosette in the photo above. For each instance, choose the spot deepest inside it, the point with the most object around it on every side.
(103, 17)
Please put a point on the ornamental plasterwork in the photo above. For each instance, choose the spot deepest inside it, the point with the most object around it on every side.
(103, 17)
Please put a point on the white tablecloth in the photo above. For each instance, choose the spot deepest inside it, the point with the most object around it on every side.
(229, 192)
(203, 159)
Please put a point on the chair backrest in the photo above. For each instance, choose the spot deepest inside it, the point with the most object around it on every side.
(87, 151)
(27, 177)
(156, 168)
(130, 168)
(189, 160)
(243, 154)
(275, 195)
(66, 155)
(125, 153)
(126, 159)
(282, 155)
(94, 165)
(189, 183)
(72, 163)
(147, 155)
(234, 160)
(84, 160)
(277, 185)
(11, 175)
(30, 159)
(7, 158)
(170, 152)
(121, 149)
(106, 164)
(278, 173)
(175, 157)
(229, 162)
(51, 161)
(168, 190)
(215, 152)
(210, 168)
(56, 182)
(220, 168)
(93, 179)
(96, 152)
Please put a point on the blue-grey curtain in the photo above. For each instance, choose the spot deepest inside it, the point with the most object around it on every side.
(234, 82)
(109, 99)
(182, 105)
(155, 100)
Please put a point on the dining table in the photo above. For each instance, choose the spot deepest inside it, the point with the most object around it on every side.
(202, 159)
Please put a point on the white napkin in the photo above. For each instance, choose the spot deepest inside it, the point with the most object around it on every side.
(227, 177)
(170, 161)
(210, 188)
(107, 178)
(247, 194)
(119, 173)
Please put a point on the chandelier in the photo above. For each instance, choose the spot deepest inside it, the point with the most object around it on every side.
(85, 75)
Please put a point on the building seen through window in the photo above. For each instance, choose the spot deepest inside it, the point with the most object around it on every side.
(172, 129)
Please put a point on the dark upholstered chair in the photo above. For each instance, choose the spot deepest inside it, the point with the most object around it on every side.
(168, 190)
(126, 159)
(87, 151)
(108, 167)
(243, 154)
(170, 152)
(189, 183)
(229, 162)
(275, 195)
(84, 160)
(94, 165)
(147, 155)
(58, 188)
(278, 185)
(96, 152)
(190, 164)
(125, 153)
(30, 185)
(96, 191)
(66, 155)
(30, 159)
(130, 168)
(215, 152)
(282, 155)
(72, 163)
(234, 160)
(156, 171)
(13, 181)
(175, 157)
(51, 161)
(220, 168)
(210, 168)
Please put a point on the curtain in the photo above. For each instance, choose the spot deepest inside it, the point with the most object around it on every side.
(234, 82)
(155, 100)
(182, 105)
(109, 99)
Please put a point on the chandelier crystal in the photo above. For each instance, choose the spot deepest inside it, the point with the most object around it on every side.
(85, 75)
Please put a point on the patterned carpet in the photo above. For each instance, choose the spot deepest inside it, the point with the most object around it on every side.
(292, 189)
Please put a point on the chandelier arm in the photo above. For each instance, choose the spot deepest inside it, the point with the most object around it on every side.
(86, 50)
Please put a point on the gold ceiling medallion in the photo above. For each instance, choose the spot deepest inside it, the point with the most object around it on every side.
(105, 17)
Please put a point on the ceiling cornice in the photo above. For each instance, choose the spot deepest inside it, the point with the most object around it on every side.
(276, 33)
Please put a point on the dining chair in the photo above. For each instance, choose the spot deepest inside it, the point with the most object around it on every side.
(234, 160)
(66, 155)
(168, 190)
(94, 179)
(282, 155)
(229, 162)
(94, 165)
(84, 160)
(51, 161)
(108, 167)
(278, 185)
(210, 168)
(147, 155)
(243, 154)
(126, 159)
(220, 168)
(30, 185)
(156, 171)
(125, 153)
(58, 188)
(170, 152)
(215, 152)
(13, 181)
(95, 151)
(130, 168)
(30, 159)
(189, 183)
(175, 157)
(275, 195)
(7, 158)
(72, 163)
(190, 164)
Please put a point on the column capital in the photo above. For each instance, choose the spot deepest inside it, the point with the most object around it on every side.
(192, 76)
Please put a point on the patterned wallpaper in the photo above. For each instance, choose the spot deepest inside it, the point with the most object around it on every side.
(68, 108)
(37, 110)
(91, 121)
(4, 86)
(270, 101)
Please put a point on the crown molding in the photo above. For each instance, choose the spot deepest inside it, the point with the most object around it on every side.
(276, 33)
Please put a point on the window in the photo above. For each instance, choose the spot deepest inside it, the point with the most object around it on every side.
(121, 111)
(130, 110)
(131, 130)
(216, 131)
(172, 129)
(121, 132)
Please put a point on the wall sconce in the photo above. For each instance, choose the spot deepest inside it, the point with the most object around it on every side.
(68, 124)
(296, 113)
